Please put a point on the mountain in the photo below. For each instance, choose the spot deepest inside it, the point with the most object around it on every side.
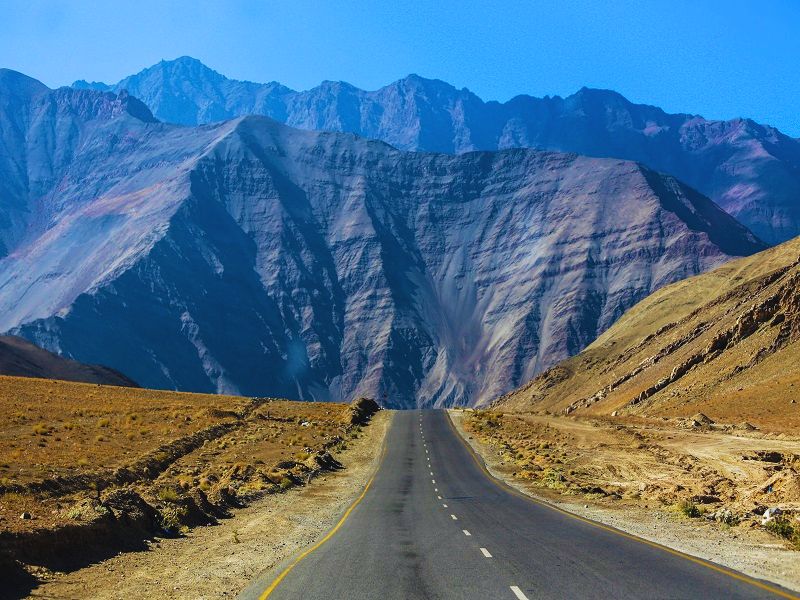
(725, 344)
(750, 170)
(250, 257)
(20, 358)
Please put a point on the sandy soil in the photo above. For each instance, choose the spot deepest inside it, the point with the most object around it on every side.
(219, 561)
(743, 547)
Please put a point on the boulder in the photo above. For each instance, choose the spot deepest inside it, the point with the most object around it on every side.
(362, 410)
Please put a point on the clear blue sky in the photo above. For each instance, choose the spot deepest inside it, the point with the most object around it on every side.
(721, 59)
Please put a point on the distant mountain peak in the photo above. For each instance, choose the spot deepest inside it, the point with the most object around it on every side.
(15, 82)
(750, 170)
(82, 84)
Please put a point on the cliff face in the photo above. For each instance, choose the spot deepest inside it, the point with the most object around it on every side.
(249, 257)
(751, 170)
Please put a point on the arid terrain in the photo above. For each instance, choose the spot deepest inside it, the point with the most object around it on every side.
(75, 469)
(651, 481)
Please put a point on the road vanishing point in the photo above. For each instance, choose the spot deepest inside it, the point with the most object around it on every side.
(432, 523)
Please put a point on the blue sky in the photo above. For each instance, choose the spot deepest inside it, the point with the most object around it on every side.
(721, 59)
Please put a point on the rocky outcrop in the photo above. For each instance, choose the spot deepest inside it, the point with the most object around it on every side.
(251, 258)
(779, 309)
(751, 170)
(362, 410)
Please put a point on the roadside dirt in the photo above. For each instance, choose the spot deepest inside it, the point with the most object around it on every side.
(219, 561)
(643, 476)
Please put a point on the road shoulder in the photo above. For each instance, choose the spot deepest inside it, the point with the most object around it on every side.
(767, 561)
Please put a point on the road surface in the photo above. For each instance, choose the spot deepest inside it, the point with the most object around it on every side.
(433, 524)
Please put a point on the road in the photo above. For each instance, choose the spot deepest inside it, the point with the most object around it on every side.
(432, 524)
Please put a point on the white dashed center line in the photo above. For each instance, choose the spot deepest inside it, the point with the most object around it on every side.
(445, 505)
(485, 552)
(439, 497)
(518, 593)
(466, 533)
(455, 518)
(433, 481)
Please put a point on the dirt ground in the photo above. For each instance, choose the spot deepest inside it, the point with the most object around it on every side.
(104, 469)
(661, 480)
(219, 561)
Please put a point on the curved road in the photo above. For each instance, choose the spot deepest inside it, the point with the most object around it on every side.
(432, 524)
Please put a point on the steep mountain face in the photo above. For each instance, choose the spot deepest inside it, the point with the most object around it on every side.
(41, 131)
(20, 358)
(725, 344)
(249, 257)
(750, 170)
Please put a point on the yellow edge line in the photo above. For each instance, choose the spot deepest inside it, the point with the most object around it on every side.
(689, 557)
(266, 593)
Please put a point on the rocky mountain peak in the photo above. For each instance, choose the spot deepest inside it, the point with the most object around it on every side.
(751, 170)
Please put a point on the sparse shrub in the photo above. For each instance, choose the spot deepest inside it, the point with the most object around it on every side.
(172, 519)
(688, 509)
(286, 483)
(783, 527)
(104, 422)
(553, 479)
(167, 494)
(42, 429)
(83, 462)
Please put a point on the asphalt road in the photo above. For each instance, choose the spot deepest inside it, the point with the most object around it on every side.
(432, 524)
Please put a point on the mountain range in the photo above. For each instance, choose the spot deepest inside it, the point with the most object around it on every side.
(251, 257)
(751, 170)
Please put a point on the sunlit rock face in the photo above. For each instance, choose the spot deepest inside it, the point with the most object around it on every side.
(250, 257)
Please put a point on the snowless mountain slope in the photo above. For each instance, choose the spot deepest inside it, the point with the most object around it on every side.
(249, 257)
(725, 344)
(750, 170)
(20, 358)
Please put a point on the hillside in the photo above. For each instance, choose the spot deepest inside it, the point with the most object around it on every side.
(251, 258)
(751, 170)
(724, 344)
(104, 468)
(20, 358)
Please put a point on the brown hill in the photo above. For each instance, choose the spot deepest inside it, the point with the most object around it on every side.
(20, 358)
(725, 344)
(87, 471)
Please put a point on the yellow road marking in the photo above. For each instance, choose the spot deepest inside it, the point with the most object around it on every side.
(330, 534)
(689, 557)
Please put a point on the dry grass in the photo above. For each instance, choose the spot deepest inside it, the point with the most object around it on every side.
(55, 429)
